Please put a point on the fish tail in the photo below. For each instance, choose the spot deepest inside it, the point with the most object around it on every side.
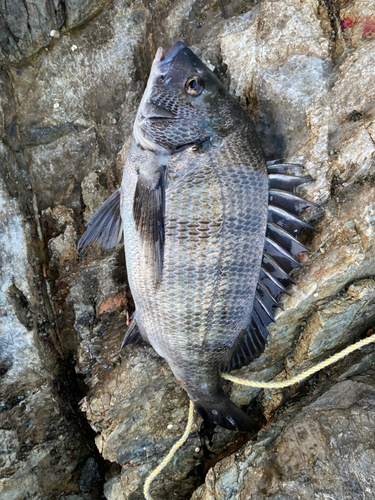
(222, 411)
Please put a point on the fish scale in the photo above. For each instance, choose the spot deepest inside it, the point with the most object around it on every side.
(209, 231)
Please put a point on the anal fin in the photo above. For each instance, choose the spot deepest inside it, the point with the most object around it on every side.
(132, 334)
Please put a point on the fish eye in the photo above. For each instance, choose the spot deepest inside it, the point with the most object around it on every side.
(194, 85)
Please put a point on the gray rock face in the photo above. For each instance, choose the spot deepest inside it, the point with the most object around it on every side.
(323, 451)
(39, 450)
(26, 26)
(73, 74)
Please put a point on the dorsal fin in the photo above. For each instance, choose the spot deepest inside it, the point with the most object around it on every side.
(278, 261)
(105, 225)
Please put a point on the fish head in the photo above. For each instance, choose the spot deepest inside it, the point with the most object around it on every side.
(184, 104)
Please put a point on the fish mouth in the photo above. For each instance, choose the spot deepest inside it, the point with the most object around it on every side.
(160, 55)
(157, 113)
(163, 61)
(163, 58)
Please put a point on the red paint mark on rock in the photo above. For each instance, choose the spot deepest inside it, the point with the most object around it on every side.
(346, 23)
(116, 300)
(368, 25)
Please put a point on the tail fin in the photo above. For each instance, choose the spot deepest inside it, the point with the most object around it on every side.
(223, 412)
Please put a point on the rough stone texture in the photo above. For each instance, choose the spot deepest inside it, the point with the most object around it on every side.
(39, 453)
(304, 73)
(26, 25)
(325, 450)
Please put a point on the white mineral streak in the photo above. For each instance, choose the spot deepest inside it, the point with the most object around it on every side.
(25, 374)
(17, 345)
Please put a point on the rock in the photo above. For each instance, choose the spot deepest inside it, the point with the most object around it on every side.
(25, 28)
(16, 338)
(63, 248)
(92, 185)
(323, 449)
(39, 448)
(28, 26)
(330, 325)
(113, 489)
(58, 168)
(78, 12)
(90, 474)
(304, 72)
(97, 299)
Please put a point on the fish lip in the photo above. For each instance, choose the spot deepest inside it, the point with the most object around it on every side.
(155, 113)
(160, 55)
(162, 64)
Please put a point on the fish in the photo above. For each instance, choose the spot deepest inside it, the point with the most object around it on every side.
(210, 231)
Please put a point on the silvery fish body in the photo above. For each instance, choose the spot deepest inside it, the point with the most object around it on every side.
(194, 204)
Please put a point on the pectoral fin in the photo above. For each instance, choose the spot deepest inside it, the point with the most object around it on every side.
(105, 225)
(148, 213)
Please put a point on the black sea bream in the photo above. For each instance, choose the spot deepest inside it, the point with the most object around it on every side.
(209, 230)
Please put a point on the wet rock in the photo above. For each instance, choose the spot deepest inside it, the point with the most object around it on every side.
(39, 450)
(303, 71)
(325, 449)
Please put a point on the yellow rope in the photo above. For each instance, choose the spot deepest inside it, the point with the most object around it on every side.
(303, 375)
(168, 458)
(252, 383)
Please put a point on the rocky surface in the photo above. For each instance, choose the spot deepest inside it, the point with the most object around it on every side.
(72, 74)
(325, 450)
